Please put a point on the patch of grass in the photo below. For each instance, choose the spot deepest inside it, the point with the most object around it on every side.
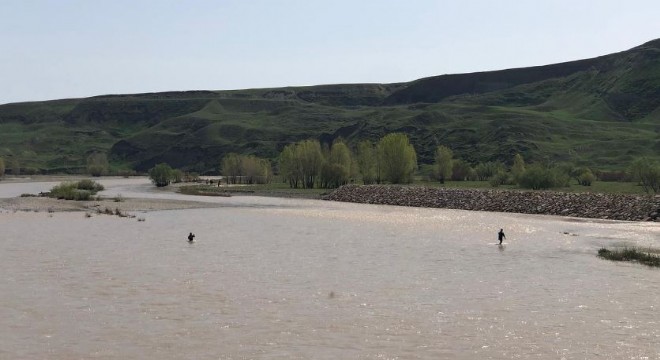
(116, 211)
(646, 257)
(273, 189)
(203, 190)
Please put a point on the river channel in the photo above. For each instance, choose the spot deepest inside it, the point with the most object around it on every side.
(274, 278)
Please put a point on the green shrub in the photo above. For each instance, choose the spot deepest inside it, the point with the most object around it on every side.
(82, 195)
(64, 191)
(161, 175)
(81, 190)
(501, 178)
(537, 177)
(586, 178)
(487, 170)
(90, 185)
(177, 176)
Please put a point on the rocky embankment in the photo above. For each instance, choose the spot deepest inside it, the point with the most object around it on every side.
(585, 205)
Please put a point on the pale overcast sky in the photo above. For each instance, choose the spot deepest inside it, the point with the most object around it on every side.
(51, 49)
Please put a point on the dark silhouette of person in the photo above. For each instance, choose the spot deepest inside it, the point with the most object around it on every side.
(501, 236)
(191, 237)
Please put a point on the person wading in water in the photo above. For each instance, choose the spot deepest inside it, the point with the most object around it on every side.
(501, 236)
(191, 237)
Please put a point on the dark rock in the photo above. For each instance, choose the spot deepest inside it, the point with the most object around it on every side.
(585, 205)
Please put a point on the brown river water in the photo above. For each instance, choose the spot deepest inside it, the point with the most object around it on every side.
(271, 278)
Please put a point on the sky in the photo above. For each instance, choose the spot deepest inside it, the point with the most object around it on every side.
(53, 49)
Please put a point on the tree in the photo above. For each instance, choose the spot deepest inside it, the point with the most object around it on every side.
(255, 170)
(161, 175)
(289, 166)
(460, 170)
(336, 170)
(311, 161)
(2, 167)
(366, 160)
(486, 170)
(97, 164)
(231, 167)
(398, 157)
(265, 171)
(301, 163)
(443, 163)
(518, 167)
(647, 173)
(247, 169)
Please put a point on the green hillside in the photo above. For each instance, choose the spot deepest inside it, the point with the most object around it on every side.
(601, 112)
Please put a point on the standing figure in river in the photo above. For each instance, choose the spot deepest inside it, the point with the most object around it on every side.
(501, 236)
(191, 237)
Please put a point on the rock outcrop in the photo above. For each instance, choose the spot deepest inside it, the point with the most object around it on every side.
(584, 205)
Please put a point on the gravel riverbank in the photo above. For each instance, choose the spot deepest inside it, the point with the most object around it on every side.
(584, 205)
(38, 204)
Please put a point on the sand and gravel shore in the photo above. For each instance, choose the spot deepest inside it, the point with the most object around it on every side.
(126, 205)
(39, 204)
(583, 205)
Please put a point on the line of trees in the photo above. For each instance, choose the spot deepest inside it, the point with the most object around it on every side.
(246, 169)
(538, 176)
(307, 164)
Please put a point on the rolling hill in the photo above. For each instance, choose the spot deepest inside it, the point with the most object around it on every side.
(601, 112)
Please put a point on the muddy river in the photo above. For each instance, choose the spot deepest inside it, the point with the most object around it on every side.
(271, 278)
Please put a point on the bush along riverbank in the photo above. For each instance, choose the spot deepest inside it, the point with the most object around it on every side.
(585, 205)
